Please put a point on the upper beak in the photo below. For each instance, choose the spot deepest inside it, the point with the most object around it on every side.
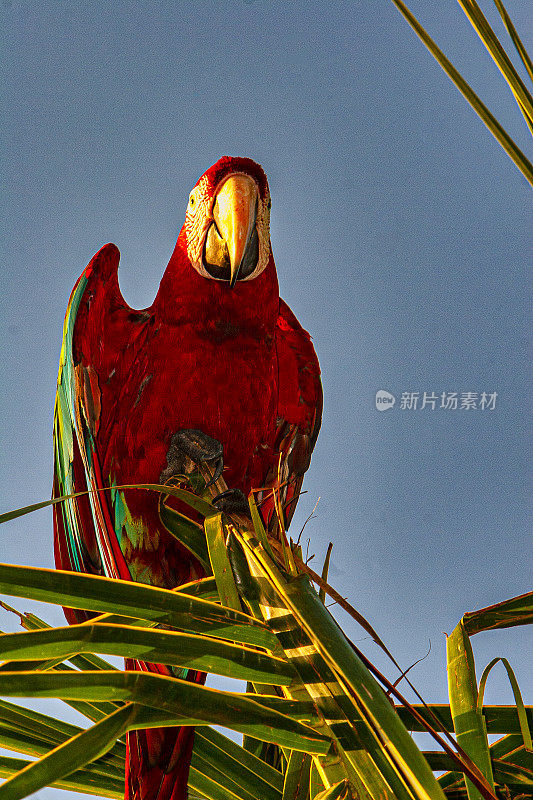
(234, 214)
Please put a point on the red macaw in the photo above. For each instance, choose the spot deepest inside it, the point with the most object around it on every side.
(218, 369)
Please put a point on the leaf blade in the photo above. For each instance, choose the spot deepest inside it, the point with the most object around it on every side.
(467, 721)
(507, 614)
(97, 593)
(67, 757)
(201, 653)
(197, 704)
(500, 134)
(220, 564)
(79, 781)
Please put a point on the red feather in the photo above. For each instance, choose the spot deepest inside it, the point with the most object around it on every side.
(234, 363)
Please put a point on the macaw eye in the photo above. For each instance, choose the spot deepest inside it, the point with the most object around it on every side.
(191, 201)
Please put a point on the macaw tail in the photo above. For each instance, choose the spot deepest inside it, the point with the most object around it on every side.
(158, 759)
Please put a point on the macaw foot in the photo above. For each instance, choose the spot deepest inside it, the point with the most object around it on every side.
(232, 501)
(188, 449)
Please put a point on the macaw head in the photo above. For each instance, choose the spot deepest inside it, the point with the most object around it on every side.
(227, 223)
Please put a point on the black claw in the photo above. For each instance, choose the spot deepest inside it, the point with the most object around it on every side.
(232, 501)
(219, 466)
(192, 445)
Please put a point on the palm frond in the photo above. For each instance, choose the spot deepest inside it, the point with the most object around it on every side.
(315, 717)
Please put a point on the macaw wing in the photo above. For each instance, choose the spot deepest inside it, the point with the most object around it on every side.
(96, 353)
(299, 413)
(102, 337)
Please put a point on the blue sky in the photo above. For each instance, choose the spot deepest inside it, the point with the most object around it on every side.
(401, 233)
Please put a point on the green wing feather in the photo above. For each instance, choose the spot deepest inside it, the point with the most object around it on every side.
(86, 538)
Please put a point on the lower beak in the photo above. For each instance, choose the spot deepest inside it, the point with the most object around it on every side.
(234, 213)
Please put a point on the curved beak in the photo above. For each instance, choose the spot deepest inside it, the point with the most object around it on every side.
(234, 213)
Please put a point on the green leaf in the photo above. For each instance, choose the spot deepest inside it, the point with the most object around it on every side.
(297, 776)
(185, 703)
(256, 777)
(21, 742)
(521, 50)
(504, 772)
(96, 593)
(513, 775)
(509, 613)
(507, 746)
(24, 666)
(325, 570)
(188, 533)
(468, 723)
(92, 711)
(40, 725)
(208, 787)
(218, 556)
(223, 779)
(371, 701)
(521, 711)
(498, 719)
(512, 150)
(352, 715)
(258, 526)
(186, 650)
(214, 754)
(201, 506)
(69, 756)
(297, 709)
(32, 746)
(341, 791)
(305, 660)
(50, 732)
(316, 784)
(80, 781)
(189, 498)
(245, 768)
(500, 57)
(90, 661)
(205, 588)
